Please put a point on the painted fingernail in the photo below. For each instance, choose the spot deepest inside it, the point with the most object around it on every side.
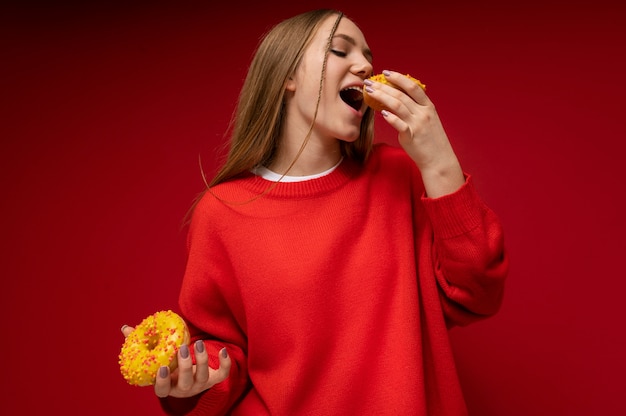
(224, 353)
(163, 371)
(386, 73)
(385, 113)
(369, 89)
(368, 82)
(184, 351)
(199, 346)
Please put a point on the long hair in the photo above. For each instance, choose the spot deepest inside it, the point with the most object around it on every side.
(258, 119)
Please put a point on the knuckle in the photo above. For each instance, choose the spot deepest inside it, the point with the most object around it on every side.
(184, 364)
(221, 376)
(184, 384)
(224, 371)
(202, 377)
(202, 359)
(202, 373)
(394, 106)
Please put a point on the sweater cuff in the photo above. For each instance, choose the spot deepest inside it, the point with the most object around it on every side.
(457, 213)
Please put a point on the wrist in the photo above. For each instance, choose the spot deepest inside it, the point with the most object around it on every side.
(442, 178)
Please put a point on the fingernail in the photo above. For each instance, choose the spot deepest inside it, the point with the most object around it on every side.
(199, 346)
(369, 89)
(123, 328)
(184, 351)
(386, 73)
(368, 82)
(224, 353)
(163, 371)
(385, 113)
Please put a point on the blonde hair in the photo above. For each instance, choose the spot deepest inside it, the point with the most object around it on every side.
(258, 119)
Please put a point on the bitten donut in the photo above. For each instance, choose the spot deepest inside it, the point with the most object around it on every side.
(374, 103)
(152, 344)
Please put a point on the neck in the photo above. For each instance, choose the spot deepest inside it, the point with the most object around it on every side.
(317, 156)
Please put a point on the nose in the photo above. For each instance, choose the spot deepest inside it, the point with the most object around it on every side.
(363, 67)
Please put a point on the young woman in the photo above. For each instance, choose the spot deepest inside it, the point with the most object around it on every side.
(324, 271)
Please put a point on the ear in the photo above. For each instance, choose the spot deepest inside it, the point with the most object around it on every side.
(290, 85)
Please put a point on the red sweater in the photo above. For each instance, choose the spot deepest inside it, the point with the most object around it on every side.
(334, 296)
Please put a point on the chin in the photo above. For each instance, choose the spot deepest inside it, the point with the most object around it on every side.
(350, 136)
(349, 139)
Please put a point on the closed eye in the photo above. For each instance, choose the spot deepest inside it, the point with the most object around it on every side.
(339, 53)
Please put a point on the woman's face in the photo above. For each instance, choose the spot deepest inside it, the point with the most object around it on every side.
(341, 104)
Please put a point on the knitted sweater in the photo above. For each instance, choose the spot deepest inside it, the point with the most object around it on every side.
(334, 296)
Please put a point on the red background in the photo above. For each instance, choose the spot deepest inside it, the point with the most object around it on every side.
(107, 108)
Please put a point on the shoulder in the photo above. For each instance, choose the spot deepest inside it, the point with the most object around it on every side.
(212, 215)
(228, 193)
(211, 202)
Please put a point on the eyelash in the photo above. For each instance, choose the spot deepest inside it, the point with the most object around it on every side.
(339, 53)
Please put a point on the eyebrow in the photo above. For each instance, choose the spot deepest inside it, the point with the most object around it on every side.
(367, 52)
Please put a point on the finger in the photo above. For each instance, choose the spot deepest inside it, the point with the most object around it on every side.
(126, 330)
(223, 372)
(185, 369)
(163, 383)
(393, 99)
(410, 87)
(404, 130)
(202, 362)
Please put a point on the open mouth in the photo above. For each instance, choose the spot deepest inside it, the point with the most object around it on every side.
(353, 96)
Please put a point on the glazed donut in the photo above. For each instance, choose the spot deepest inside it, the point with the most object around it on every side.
(152, 344)
(374, 103)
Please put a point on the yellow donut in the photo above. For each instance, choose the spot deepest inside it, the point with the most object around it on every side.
(152, 344)
(377, 105)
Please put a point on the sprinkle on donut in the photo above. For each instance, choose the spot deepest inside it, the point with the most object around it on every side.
(152, 344)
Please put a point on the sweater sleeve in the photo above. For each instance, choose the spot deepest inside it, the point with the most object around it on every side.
(209, 302)
(468, 255)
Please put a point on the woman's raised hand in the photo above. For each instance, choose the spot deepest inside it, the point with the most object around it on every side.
(420, 132)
